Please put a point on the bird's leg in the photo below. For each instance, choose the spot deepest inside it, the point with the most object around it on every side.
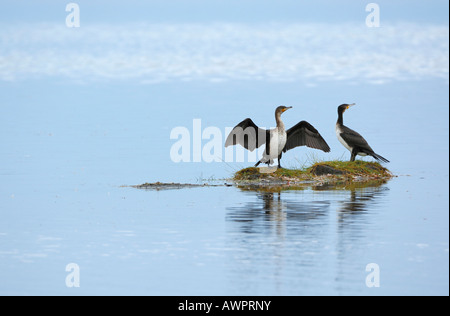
(279, 161)
(354, 153)
(257, 164)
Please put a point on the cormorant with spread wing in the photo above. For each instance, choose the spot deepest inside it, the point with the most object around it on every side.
(277, 140)
(352, 140)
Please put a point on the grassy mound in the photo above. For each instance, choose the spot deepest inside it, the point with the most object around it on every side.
(328, 171)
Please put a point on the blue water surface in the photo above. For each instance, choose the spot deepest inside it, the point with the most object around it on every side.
(70, 151)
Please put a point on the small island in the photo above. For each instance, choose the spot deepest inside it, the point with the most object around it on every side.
(321, 174)
(327, 172)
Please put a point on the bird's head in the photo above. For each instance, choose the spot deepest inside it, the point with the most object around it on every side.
(282, 109)
(343, 107)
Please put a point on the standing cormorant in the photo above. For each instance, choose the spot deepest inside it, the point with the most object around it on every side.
(352, 140)
(277, 140)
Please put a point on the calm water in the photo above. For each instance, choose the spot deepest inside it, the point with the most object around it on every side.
(65, 161)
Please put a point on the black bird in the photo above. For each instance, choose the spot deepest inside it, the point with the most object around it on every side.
(277, 140)
(352, 140)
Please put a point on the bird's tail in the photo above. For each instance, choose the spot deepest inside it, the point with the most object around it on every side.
(379, 158)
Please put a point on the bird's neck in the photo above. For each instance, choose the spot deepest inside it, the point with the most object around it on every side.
(340, 120)
(280, 123)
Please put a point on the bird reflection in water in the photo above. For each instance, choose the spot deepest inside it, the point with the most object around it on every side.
(361, 199)
(291, 235)
(274, 207)
(278, 204)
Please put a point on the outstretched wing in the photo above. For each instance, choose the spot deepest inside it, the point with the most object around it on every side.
(247, 134)
(304, 134)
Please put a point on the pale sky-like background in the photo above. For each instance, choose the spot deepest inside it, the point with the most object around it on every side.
(215, 41)
(250, 11)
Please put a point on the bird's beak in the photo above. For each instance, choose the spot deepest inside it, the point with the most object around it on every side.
(349, 105)
(287, 108)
